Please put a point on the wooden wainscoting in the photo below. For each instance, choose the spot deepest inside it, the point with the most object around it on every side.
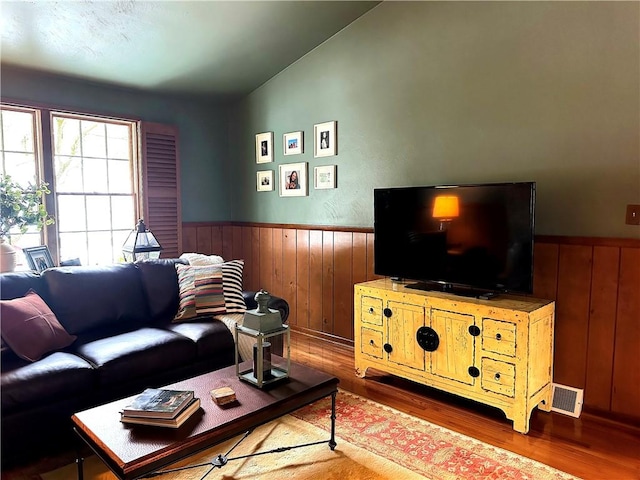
(594, 281)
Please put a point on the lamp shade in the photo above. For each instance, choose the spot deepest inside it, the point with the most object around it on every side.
(140, 244)
(446, 207)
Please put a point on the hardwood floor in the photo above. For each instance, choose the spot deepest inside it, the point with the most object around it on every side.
(588, 447)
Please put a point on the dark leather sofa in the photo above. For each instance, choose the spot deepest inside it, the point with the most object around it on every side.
(126, 341)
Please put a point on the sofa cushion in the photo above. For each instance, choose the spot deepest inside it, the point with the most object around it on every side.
(85, 298)
(160, 283)
(17, 284)
(200, 291)
(30, 328)
(211, 336)
(137, 354)
(56, 376)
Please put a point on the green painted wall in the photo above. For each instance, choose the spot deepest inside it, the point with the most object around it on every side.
(202, 126)
(455, 92)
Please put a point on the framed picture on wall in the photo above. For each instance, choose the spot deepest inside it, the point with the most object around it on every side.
(38, 258)
(264, 147)
(293, 179)
(293, 143)
(324, 177)
(264, 181)
(325, 139)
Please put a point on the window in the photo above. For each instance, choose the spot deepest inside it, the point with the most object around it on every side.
(100, 188)
(93, 164)
(18, 143)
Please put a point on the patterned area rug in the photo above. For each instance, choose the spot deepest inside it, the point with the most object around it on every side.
(374, 443)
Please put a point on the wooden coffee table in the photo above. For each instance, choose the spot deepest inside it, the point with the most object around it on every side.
(133, 451)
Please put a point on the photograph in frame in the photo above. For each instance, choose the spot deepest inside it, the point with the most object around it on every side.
(324, 177)
(38, 258)
(325, 139)
(264, 181)
(293, 143)
(264, 147)
(293, 179)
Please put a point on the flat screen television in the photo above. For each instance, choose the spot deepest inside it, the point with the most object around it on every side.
(474, 240)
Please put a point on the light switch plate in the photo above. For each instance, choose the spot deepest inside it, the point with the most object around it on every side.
(633, 215)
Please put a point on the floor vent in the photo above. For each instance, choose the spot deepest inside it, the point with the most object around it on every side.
(567, 400)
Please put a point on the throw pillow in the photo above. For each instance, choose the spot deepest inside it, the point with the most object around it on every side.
(200, 259)
(30, 328)
(232, 286)
(201, 291)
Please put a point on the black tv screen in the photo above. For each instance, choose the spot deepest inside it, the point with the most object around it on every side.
(468, 237)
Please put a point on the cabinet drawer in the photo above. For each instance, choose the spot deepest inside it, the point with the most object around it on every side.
(372, 310)
(371, 342)
(498, 377)
(499, 337)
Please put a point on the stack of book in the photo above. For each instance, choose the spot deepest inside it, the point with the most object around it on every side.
(161, 407)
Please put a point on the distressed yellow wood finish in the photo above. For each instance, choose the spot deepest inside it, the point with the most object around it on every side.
(510, 344)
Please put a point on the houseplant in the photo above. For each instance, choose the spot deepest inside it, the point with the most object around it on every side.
(20, 208)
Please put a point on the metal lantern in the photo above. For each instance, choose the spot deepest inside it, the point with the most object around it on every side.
(140, 244)
(262, 325)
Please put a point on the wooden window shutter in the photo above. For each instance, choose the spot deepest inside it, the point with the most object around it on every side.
(161, 202)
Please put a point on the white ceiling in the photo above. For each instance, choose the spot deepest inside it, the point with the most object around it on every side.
(224, 48)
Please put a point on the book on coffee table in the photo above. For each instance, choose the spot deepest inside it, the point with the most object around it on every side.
(175, 422)
(159, 403)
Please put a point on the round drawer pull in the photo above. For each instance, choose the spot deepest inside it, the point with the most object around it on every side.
(498, 336)
(497, 376)
(371, 310)
(371, 342)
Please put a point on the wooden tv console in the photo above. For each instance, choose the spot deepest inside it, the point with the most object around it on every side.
(498, 352)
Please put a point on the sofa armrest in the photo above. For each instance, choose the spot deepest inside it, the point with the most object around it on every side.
(276, 303)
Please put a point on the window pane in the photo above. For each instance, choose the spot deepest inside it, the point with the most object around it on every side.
(66, 136)
(93, 139)
(17, 131)
(74, 245)
(71, 213)
(98, 213)
(68, 174)
(123, 213)
(95, 175)
(100, 248)
(21, 167)
(120, 176)
(118, 141)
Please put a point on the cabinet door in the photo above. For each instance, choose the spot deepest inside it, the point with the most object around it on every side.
(403, 324)
(455, 353)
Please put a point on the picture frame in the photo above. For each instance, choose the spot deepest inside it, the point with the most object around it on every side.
(38, 258)
(264, 181)
(324, 177)
(264, 147)
(295, 188)
(325, 139)
(293, 143)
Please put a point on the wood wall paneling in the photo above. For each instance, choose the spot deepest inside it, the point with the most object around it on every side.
(289, 259)
(604, 295)
(626, 368)
(302, 277)
(343, 285)
(595, 283)
(572, 315)
(315, 280)
(327, 282)
(545, 270)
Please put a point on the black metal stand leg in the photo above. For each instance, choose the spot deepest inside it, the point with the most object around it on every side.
(80, 465)
(332, 441)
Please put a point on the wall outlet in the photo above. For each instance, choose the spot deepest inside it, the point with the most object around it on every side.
(633, 215)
